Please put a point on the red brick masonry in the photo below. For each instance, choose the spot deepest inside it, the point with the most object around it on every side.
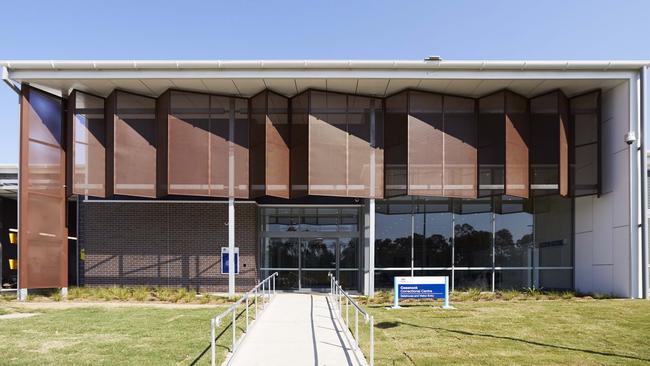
(165, 244)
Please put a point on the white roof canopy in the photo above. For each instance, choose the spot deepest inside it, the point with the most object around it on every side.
(376, 78)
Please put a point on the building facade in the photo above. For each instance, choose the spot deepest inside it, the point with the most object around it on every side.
(500, 175)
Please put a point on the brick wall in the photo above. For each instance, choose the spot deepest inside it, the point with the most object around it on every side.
(165, 244)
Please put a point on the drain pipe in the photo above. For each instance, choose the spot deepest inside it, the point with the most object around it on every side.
(645, 263)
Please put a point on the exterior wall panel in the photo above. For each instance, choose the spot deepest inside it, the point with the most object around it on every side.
(517, 141)
(134, 125)
(269, 141)
(188, 126)
(43, 261)
(585, 127)
(396, 145)
(491, 144)
(425, 144)
(299, 156)
(460, 149)
(86, 156)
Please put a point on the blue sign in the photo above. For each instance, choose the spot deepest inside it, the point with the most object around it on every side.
(431, 287)
(225, 261)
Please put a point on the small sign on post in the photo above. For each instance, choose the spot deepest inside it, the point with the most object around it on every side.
(426, 287)
(225, 260)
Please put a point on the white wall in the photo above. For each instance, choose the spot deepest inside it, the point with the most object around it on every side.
(602, 232)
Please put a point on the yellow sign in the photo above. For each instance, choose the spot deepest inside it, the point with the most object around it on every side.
(82, 254)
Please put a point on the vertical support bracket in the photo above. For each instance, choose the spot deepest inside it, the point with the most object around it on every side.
(371, 251)
(231, 199)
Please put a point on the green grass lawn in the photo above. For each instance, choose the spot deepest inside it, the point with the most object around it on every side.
(496, 332)
(571, 332)
(100, 335)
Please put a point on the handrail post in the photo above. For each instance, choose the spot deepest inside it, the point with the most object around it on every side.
(256, 315)
(274, 276)
(213, 341)
(347, 313)
(356, 327)
(263, 299)
(234, 328)
(372, 341)
(246, 313)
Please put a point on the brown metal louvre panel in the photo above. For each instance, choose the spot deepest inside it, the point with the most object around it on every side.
(425, 144)
(379, 148)
(564, 144)
(327, 144)
(134, 129)
(585, 120)
(188, 143)
(258, 144)
(219, 146)
(277, 146)
(240, 146)
(460, 152)
(545, 144)
(517, 134)
(395, 145)
(362, 178)
(43, 261)
(88, 152)
(299, 161)
(491, 144)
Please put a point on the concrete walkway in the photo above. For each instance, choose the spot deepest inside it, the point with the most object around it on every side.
(298, 329)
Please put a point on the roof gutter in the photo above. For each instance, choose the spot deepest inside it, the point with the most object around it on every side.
(5, 78)
(322, 65)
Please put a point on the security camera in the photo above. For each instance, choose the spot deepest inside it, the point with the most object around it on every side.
(630, 138)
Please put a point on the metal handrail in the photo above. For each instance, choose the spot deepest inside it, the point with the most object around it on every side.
(337, 293)
(267, 287)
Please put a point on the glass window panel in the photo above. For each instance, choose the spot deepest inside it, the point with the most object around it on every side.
(393, 237)
(512, 279)
(474, 279)
(473, 236)
(491, 144)
(385, 279)
(280, 253)
(349, 253)
(314, 279)
(349, 220)
(319, 253)
(432, 239)
(513, 235)
(556, 279)
(286, 280)
(349, 280)
(553, 231)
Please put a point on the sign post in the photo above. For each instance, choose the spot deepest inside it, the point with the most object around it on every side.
(431, 287)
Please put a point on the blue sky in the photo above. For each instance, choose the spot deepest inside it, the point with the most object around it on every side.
(189, 29)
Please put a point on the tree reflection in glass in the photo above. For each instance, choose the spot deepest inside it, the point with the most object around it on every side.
(319, 253)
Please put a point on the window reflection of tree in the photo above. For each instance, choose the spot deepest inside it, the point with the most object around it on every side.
(348, 253)
(472, 246)
(282, 254)
(393, 253)
(319, 254)
(510, 252)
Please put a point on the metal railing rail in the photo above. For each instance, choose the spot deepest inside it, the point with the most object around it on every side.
(337, 294)
(267, 289)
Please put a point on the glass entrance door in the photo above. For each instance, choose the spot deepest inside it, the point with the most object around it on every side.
(318, 257)
(304, 244)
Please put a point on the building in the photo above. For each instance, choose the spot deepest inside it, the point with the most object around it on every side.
(499, 174)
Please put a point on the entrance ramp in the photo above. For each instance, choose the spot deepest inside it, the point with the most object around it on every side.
(298, 329)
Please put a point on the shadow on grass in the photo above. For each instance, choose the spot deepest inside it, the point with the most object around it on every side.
(207, 348)
(388, 325)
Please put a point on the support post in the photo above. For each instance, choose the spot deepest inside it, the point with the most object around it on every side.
(22, 294)
(213, 347)
(231, 246)
(371, 251)
(64, 292)
(644, 184)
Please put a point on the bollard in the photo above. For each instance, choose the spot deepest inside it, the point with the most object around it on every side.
(213, 341)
